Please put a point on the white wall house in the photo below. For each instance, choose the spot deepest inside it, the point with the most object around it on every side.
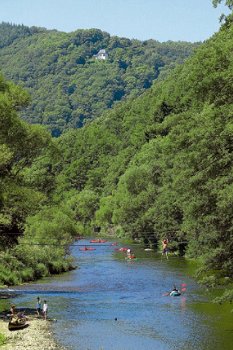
(101, 55)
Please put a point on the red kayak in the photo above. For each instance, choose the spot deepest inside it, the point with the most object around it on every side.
(86, 248)
(131, 257)
(98, 241)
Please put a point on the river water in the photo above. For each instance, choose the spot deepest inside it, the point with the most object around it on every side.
(109, 303)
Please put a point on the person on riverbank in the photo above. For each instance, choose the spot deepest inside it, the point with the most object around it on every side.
(21, 316)
(12, 311)
(165, 247)
(38, 306)
(45, 309)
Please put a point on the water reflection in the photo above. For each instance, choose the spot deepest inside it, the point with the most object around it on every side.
(183, 303)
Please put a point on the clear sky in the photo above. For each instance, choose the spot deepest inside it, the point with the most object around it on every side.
(189, 20)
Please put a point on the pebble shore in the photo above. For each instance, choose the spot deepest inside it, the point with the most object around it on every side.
(37, 335)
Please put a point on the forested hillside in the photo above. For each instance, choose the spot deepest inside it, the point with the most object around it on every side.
(67, 84)
(160, 165)
(20, 145)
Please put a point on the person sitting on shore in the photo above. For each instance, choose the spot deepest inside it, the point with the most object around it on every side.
(21, 316)
(12, 311)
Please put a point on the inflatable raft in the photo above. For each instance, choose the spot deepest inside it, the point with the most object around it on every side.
(175, 293)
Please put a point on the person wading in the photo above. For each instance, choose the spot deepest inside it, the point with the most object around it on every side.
(45, 309)
(38, 306)
(165, 247)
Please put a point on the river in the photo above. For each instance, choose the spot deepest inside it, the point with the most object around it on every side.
(109, 303)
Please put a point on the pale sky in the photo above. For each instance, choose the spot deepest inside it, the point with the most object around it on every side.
(162, 20)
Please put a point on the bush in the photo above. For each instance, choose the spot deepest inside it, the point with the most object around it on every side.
(27, 274)
(56, 267)
(2, 339)
(9, 278)
(41, 270)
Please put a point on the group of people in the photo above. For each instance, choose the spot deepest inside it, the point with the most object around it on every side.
(16, 315)
(165, 250)
(42, 309)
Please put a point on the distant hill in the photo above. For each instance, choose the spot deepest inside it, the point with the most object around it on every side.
(68, 84)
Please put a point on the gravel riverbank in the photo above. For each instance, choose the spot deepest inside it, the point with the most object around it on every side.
(37, 335)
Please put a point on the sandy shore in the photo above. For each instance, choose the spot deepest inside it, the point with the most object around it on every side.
(37, 336)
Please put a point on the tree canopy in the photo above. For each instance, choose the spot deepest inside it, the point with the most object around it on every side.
(22, 196)
(161, 164)
(228, 3)
(68, 85)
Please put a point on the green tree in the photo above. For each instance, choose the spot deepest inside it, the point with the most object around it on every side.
(228, 3)
(68, 85)
(20, 145)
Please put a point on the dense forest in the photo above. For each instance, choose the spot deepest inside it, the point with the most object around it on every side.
(20, 145)
(67, 84)
(159, 165)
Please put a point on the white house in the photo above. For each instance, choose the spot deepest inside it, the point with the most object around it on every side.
(101, 55)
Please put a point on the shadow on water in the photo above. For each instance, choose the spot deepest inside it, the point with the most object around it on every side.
(112, 304)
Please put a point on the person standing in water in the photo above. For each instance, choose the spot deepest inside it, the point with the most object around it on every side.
(45, 309)
(38, 306)
(165, 247)
(130, 254)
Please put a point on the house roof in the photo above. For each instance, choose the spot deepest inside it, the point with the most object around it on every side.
(102, 51)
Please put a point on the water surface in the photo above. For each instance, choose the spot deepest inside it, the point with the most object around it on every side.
(111, 304)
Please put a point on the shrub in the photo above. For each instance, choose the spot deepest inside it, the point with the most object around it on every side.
(2, 339)
(27, 274)
(41, 270)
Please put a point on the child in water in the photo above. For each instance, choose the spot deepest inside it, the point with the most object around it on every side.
(38, 306)
(45, 309)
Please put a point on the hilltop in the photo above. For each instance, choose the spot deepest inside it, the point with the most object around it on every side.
(68, 83)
